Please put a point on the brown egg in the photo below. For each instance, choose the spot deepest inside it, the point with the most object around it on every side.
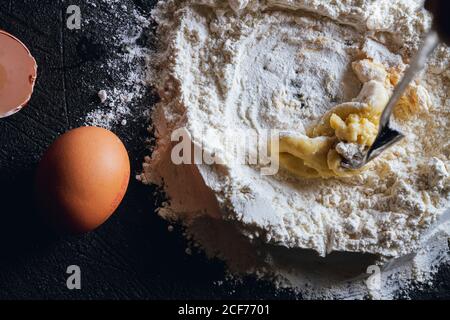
(82, 178)
(18, 71)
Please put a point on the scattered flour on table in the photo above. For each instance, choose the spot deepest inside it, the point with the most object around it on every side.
(248, 64)
(120, 102)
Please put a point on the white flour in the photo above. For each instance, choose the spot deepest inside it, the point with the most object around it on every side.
(127, 62)
(282, 64)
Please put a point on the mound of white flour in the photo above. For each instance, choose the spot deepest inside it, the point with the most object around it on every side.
(258, 65)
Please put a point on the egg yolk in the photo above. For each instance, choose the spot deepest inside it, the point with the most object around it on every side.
(316, 154)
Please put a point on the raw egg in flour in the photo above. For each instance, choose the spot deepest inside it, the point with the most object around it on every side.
(18, 72)
(82, 178)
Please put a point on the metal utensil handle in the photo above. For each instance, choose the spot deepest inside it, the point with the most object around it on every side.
(418, 63)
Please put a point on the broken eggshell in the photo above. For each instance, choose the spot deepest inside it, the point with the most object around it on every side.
(18, 72)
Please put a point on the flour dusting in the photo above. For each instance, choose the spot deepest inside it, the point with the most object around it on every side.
(121, 102)
(258, 65)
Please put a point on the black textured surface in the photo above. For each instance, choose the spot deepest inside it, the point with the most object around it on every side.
(132, 256)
